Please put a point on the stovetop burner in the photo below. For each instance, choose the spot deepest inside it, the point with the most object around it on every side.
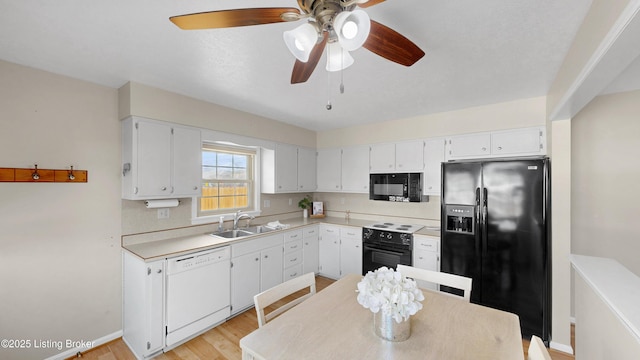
(405, 228)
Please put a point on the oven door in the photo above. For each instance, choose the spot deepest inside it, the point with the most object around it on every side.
(375, 256)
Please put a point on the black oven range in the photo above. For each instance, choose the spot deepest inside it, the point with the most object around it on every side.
(387, 244)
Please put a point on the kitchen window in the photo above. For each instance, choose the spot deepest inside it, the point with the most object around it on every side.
(228, 180)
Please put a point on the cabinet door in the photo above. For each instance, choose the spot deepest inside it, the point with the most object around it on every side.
(154, 159)
(433, 158)
(329, 252)
(469, 146)
(355, 169)
(286, 168)
(187, 161)
(245, 280)
(271, 267)
(426, 260)
(329, 169)
(310, 254)
(350, 256)
(410, 156)
(529, 141)
(306, 169)
(382, 158)
(155, 309)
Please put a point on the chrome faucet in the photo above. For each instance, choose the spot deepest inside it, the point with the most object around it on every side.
(238, 216)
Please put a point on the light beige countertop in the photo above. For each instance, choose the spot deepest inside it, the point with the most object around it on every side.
(158, 249)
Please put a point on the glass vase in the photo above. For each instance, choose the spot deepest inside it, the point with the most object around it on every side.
(386, 327)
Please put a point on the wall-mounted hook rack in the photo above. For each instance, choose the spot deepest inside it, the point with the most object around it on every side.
(43, 175)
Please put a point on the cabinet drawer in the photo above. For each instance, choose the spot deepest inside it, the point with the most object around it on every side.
(292, 246)
(294, 258)
(425, 244)
(351, 233)
(256, 244)
(292, 272)
(310, 231)
(292, 235)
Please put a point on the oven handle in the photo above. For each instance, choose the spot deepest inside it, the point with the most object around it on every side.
(369, 247)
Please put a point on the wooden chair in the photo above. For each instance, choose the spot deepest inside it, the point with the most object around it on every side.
(451, 280)
(278, 292)
(537, 350)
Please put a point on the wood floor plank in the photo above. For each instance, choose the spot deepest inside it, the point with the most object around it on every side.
(222, 342)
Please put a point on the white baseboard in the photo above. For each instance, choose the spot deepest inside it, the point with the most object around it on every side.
(94, 343)
(561, 347)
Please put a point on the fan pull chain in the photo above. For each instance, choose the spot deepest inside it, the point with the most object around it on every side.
(329, 80)
(341, 70)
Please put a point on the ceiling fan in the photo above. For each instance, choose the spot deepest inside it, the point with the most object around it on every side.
(334, 24)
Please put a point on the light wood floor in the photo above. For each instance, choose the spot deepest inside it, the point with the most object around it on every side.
(222, 342)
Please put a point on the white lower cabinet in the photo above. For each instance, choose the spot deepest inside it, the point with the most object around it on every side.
(350, 251)
(340, 251)
(256, 265)
(426, 255)
(310, 250)
(143, 305)
(293, 254)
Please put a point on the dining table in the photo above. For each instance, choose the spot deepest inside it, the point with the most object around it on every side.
(332, 325)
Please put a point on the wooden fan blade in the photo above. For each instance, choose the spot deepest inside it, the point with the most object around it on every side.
(370, 3)
(230, 18)
(301, 70)
(391, 45)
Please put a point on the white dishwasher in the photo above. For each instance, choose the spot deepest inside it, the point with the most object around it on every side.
(198, 293)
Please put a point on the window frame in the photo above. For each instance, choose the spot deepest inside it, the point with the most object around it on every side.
(254, 208)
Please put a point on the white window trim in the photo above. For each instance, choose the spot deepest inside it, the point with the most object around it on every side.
(238, 140)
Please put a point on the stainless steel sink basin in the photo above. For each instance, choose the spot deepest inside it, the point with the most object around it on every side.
(232, 234)
(238, 233)
(259, 229)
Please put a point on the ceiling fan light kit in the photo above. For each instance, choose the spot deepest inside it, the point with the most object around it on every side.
(334, 24)
(301, 40)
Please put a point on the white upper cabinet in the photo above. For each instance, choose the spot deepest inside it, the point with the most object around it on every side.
(469, 146)
(288, 168)
(513, 142)
(433, 158)
(406, 156)
(307, 169)
(382, 158)
(160, 160)
(410, 156)
(355, 169)
(528, 141)
(329, 163)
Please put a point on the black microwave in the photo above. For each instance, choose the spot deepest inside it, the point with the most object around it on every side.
(405, 187)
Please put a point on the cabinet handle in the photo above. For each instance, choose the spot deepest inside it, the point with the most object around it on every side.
(257, 259)
(484, 149)
(164, 188)
(293, 275)
(293, 260)
(195, 188)
(266, 256)
(159, 271)
(499, 147)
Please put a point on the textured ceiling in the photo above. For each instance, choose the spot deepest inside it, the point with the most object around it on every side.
(477, 53)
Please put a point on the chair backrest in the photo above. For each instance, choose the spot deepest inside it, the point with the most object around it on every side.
(451, 280)
(278, 292)
(537, 350)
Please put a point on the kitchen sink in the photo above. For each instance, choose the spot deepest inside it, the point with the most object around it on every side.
(232, 234)
(238, 233)
(259, 229)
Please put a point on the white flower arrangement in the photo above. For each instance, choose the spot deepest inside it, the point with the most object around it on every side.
(388, 291)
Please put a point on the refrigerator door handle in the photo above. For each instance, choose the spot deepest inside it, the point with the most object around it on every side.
(485, 221)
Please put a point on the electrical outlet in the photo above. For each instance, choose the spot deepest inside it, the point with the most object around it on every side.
(290, 201)
(163, 213)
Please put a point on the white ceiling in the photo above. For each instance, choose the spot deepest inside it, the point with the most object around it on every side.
(477, 52)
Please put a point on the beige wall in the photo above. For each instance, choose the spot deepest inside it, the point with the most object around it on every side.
(60, 266)
(606, 176)
(507, 115)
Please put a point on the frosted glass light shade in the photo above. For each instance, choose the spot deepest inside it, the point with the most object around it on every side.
(352, 28)
(301, 40)
(334, 52)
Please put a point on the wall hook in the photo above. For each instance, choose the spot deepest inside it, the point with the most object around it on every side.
(35, 175)
(71, 176)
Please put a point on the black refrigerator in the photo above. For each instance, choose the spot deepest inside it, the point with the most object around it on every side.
(496, 230)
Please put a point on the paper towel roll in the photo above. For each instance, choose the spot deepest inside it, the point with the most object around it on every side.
(164, 203)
